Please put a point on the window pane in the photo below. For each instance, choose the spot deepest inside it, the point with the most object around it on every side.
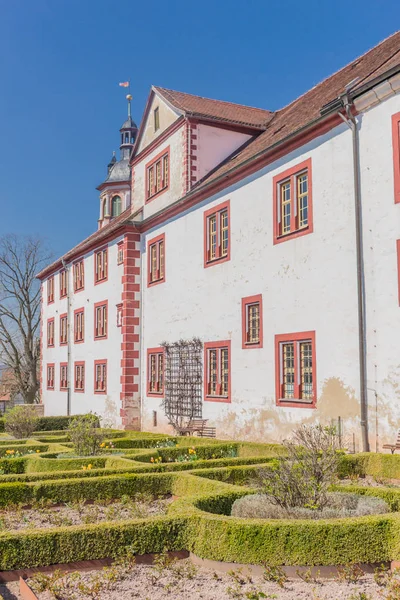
(288, 370)
(224, 233)
(285, 207)
(212, 233)
(253, 319)
(212, 365)
(161, 259)
(224, 371)
(302, 199)
(306, 375)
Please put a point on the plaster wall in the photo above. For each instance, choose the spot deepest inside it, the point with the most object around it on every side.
(176, 149)
(308, 283)
(166, 117)
(381, 229)
(107, 405)
(214, 145)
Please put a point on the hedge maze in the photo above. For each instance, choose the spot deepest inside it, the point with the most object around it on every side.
(204, 478)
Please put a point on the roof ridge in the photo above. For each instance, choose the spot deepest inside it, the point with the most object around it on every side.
(358, 58)
(214, 99)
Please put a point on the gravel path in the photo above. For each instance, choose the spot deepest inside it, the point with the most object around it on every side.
(182, 582)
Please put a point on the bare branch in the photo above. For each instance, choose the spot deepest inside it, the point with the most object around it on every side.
(20, 298)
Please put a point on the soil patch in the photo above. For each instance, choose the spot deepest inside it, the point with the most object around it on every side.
(80, 513)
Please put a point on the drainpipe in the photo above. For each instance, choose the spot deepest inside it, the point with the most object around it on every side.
(69, 370)
(351, 122)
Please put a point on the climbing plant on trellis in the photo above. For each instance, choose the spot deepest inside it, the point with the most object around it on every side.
(183, 379)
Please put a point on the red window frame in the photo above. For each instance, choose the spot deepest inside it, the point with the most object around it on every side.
(50, 290)
(63, 283)
(158, 277)
(63, 338)
(50, 332)
(159, 355)
(100, 376)
(291, 175)
(50, 375)
(396, 155)
(296, 339)
(79, 327)
(79, 275)
(101, 320)
(101, 265)
(63, 376)
(209, 214)
(246, 303)
(120, 314)
(157, 181)
(120, 253)
(217, 346)
(79, 376)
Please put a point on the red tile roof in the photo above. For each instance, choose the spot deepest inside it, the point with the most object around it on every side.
(274, 127)
(306, 108)
(197, 106)
(95, 238)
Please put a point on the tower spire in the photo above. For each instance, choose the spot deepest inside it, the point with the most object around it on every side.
(129, 98)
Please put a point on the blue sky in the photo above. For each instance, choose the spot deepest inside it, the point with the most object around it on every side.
(61, 61)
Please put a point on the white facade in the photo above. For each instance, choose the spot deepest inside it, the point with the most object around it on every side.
(91, 349)
(308, 283)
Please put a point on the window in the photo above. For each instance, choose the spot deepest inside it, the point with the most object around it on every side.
(396, 155)
(293, 202)
(63, 283)
(79, 277)
(50, 376)
(156, 260)
(217, 372)
(295, 369)
(156, 119)
(120, 253)
(50, 333)
(79, 325)
(50, 290)
(217, 234)
(157, 175)
(116, 206)
(63, 329)
(252, 331)
(100, 265)
(100, 376)
(63, 376)
(119, 315)
(155, 371)
(79, 376)
(100, 319)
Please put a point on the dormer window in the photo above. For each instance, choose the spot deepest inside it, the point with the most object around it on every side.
(156, 119)
(116, 205)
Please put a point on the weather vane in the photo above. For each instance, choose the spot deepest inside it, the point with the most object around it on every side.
(127, 84)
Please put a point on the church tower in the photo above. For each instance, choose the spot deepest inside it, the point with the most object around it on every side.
(115, 191)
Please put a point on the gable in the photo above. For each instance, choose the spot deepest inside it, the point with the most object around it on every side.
(166, 116)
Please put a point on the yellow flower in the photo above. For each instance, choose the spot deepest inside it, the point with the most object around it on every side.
(89, 466)
(102, 445)
(37, 450)
(152, 459)
(84, 468)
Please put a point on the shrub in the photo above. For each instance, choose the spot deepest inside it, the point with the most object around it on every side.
(259, 506)
(85, 435)
(52, 424)
(303, 476)
(21, 421)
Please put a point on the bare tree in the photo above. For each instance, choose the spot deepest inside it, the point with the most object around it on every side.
(21, 258)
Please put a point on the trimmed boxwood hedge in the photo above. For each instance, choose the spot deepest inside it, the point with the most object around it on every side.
(198, 520)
